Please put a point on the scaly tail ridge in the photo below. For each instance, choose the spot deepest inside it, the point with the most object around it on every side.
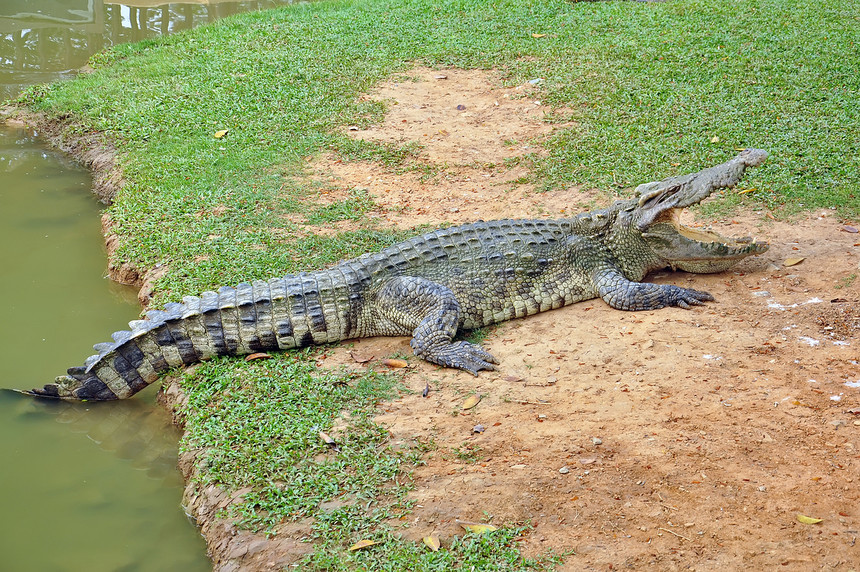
(281, 313)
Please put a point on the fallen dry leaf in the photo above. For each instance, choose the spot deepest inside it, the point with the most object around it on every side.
(849, 228)
(362, 544)
(715, 139)
(477, 527)
(432, 542)
(360, 358)
(808, 519)
(394, 363)
(471, 401)
(793, 261)
(328, 440)
(256, 356)
(221, 134)
(538, 35)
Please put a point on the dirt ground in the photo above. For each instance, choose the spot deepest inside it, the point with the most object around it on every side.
(662, 440)
(666, 440)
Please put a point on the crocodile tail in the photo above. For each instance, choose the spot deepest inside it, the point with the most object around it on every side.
(282, 313)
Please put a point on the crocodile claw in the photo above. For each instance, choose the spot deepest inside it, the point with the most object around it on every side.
(461, 355)
(687, 297)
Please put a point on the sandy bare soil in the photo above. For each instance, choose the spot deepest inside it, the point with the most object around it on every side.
(659, 440)
(662, 440)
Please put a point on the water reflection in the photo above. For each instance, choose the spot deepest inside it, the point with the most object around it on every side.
(44, 40)
(134, 430)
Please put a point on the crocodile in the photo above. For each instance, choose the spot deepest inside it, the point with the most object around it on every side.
(433, 286)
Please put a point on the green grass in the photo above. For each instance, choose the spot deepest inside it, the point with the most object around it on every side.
(653, 89)
(650, 85)
(259, 427)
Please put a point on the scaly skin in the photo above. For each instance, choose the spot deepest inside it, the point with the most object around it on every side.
(434, 285)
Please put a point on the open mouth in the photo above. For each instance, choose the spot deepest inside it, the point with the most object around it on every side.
(706, 243)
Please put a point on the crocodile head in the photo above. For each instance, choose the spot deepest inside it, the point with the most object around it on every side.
(656, 215)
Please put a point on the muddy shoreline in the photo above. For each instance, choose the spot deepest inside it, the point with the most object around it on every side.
(228, 548)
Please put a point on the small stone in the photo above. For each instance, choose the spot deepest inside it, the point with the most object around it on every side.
(564, 470)
(762, 489)
(597, 441)
(536, 80)
(461, 107)
(478, 428)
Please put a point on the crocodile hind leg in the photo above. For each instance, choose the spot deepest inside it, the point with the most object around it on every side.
(432, 313)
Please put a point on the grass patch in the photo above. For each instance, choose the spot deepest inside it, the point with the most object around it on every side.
(352, 208)
(653, 89)
(258, 425)
(496, 551)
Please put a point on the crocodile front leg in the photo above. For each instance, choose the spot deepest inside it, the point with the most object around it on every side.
(431, 311)
(624, 294)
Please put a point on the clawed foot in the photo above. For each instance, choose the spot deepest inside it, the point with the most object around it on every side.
(686, 297)
(461, 355)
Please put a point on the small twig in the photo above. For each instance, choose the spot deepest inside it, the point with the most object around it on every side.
(534, 402)
(675, 533)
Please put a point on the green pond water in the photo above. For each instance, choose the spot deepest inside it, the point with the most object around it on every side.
(83, 487)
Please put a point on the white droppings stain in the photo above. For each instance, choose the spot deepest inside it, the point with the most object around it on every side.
(771, 303)
(836, 397)
(809, 341)
(709, 356)
(855, 384)
(841, 343)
